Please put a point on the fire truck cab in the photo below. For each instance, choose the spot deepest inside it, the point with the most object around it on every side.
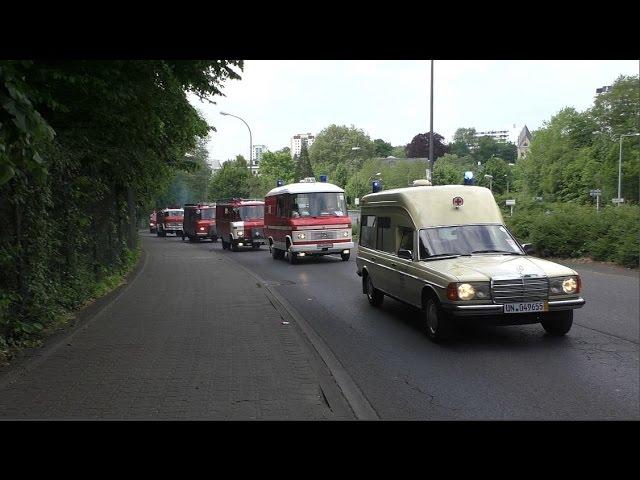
(169, 220)
(240, 223)
(199, 222)
(307, 218)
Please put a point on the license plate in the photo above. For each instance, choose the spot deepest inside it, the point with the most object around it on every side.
(325, 245)
(526, 307)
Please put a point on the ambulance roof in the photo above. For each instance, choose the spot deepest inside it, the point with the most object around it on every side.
(434, 206)
(305, 187)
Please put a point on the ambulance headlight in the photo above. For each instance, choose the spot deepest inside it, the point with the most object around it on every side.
(300, 236)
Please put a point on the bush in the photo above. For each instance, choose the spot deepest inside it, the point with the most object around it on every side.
(572, 230)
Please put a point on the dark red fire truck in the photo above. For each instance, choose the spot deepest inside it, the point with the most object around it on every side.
(240, 223)
(169, 220)
(199, 222)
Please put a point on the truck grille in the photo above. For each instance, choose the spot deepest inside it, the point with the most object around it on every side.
(312, 235)
(528, 289)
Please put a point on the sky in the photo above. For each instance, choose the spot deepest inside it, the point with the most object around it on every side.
(389, 99)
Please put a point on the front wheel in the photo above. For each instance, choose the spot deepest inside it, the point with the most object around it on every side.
(234, 245)
(292, 257)
(214, 239)
(557, 324)
(345, 257)
(375, 296)
(437, 323)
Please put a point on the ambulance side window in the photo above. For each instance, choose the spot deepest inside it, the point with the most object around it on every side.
(385, 235)
(368, 231)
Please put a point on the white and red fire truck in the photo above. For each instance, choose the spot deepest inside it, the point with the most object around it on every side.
(169, 220)
(240, 223)
(308, 218)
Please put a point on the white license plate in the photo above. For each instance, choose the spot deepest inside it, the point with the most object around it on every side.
(325, 245)
(526, 307)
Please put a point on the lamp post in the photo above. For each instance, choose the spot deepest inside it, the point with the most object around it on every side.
(431, 131)
(620, 166)
(250, 140)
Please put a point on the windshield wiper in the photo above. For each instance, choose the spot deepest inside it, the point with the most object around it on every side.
(506, 252)
(441, 256)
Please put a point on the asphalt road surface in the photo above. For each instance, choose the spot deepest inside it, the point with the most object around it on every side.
(485, 373)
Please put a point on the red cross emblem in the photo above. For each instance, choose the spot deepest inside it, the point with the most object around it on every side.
(457, 202)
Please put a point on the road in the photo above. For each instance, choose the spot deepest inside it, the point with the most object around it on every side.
(486, 373)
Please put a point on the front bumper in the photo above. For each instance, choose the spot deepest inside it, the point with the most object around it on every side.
(497, 309)
(318, 249)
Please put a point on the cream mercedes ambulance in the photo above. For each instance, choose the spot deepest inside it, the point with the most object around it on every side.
(446, 250)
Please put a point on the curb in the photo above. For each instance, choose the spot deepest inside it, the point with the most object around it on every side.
(356, 400)
(29, 358)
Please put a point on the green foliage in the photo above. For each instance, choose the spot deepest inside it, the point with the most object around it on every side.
(232, 180)
(573, 230)
(446, 172)
(303, 166)
(83, 145)
(381, 148)
(333, 146)
(278, 165)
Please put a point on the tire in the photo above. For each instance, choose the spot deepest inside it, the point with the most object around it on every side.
(437, 323)
(292, 257)
(276, 253)
(255, 246)
(557, 324)
(214, 239)
(234, 246)
(345, 257)
(375, 296)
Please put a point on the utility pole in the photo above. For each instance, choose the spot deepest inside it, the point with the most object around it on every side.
(431, 131)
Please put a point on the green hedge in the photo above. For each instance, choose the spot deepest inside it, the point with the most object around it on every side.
(572, 230)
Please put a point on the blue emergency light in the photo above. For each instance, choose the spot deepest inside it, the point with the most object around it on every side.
(323, 178)
(376, 186)
(279, 183)
(468, 178)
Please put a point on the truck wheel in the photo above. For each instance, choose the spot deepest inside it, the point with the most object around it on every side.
(255, 246)
(234, 245)
(345, 257)
(375, 296)
(214, 239)
(292, 257)
(557, 324)
(437, 323)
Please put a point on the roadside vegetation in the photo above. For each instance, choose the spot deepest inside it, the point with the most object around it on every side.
(85, 149)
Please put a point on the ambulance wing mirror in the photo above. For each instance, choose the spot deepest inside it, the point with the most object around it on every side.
(528, 248)
(406, 254)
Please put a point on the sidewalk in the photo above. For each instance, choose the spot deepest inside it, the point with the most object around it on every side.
(192, 337)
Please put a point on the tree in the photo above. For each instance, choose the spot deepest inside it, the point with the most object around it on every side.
(464, 141)
(278, 165)
(499, 170)
(303, 165)
(488, 147)
(398, 152)
(445, 172)
(334, 146)
(419, 146)
(381, 148)
(232, 180)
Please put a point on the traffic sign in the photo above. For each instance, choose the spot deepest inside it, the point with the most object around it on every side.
(511, 202)
(617, 200)
(357, 201)
(595, 193)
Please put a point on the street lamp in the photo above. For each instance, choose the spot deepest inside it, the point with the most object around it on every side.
(620, 166)
(250, 140)
(490, 177)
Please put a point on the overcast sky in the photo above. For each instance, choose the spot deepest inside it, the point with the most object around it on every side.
(390, 99)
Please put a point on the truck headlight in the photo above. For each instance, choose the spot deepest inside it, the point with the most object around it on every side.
(345, 233)
(567, 285)
(300, 236)
(239, 233)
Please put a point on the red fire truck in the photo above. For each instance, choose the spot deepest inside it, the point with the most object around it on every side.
(306, 219)
(152, 222)
(199, 222)
(169, 220)
(240, 223)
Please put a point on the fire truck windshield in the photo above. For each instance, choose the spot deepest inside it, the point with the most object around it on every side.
(250, 211)
(207, 213)
(174, 213)
(318, 204)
